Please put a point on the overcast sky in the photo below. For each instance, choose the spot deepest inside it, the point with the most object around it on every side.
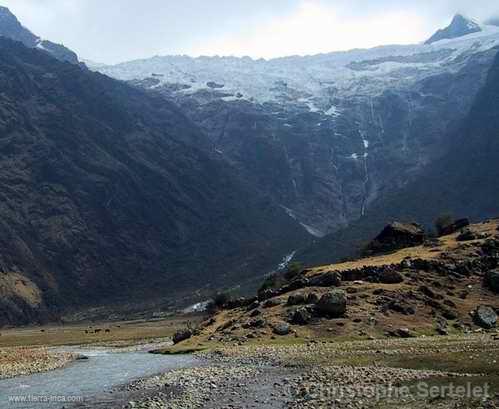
(112, 31)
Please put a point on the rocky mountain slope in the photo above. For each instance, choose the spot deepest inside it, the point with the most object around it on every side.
(325, 136)
(108, 196)
(10, 27)
(443, 286)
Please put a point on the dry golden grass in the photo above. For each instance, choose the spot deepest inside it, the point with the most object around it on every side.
(447, 243)
(365, 318)
(119, 333)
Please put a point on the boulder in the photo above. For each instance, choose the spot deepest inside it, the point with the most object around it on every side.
(333, 303)
(402, 333)
(282, 328)
(273, 302)
(492, 280)
(327, 279)
(397, 236)
(267, 293)
(301, 316)
(255, 312)
(181, 335)
(255, 323)
(312, 298)
(466, 235)
(401, 306)
(390, 276)
(296, 299)
(253, 305)
(454, 227)
(485, 317)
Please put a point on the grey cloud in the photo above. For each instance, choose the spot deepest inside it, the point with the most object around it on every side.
(118, 30)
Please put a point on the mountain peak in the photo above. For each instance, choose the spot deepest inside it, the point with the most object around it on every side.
(10, 27)
(460, 26)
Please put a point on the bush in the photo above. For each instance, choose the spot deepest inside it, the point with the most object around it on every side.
(222, 299)
(293, 271)
(443, 222)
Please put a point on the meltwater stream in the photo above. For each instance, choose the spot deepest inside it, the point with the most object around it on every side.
(103, 371)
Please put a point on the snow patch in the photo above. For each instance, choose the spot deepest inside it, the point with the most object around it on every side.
(334, 111)
(286, 260)
(198, 307)
(313, 231)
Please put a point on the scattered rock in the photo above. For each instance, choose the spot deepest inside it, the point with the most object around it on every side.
(430, 293)
(466, 235)
(255, 323)
(267, 294)
(301, 316)
(391, 276)
(255, 313)
(281, 329)
(492, 280)
(403, 333)
(401, 306)
(253, 305)
(273, 302)
(312, 298)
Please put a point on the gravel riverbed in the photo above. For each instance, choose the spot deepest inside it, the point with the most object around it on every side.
(301, 376)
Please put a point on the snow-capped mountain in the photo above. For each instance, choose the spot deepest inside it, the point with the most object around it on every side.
(308, 81)
(326, 135)
(459, 27)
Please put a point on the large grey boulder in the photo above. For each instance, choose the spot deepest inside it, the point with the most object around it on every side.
(182, 335)
(327, 279)
(282, 328)
(485, 317)
(333, 304)
(397, 236)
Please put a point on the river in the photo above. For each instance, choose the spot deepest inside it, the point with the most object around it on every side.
(104, 370)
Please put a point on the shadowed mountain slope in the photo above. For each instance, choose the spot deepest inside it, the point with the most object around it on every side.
(106, 195)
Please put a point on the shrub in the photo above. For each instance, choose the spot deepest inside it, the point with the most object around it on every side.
(221, 299)
(294, 269)
(442, 222)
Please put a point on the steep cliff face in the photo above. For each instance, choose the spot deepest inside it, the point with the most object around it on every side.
(327, 136)
(464, 182)
(107, 194)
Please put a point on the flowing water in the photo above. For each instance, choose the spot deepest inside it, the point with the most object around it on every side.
(103, 371)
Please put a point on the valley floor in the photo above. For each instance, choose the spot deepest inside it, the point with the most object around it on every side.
(423, 372)
(443, 372)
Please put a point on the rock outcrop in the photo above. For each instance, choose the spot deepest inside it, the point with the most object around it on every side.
(397, 236)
